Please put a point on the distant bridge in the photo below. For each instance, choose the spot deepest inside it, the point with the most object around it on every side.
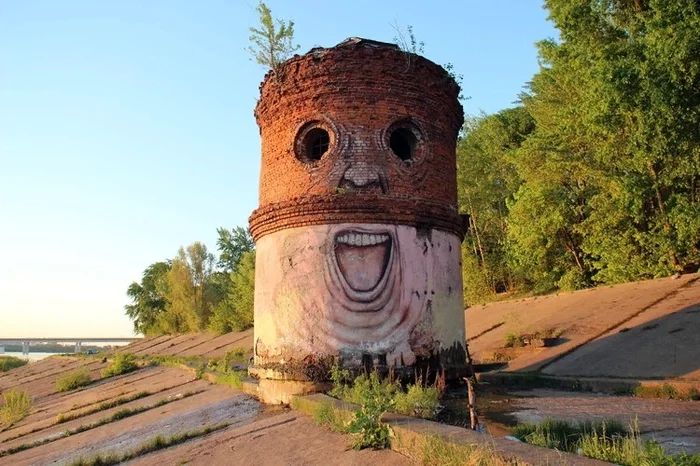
(26, 342)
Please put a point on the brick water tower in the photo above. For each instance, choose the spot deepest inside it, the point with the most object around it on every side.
(358, 233)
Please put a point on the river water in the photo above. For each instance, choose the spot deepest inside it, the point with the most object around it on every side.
(32, 356)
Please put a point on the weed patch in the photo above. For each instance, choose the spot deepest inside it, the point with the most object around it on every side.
(156, 443)
(15, 407)
(72, 380)
(121, 414)
(121, 364)
(61, 418)
(419, 399)
(232, 379)
(437, 452)
(11, 362)
(607, 441)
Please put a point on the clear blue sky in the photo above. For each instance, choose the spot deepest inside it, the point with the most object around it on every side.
(127, 130)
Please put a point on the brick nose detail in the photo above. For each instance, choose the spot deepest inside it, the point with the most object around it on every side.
(361, 176)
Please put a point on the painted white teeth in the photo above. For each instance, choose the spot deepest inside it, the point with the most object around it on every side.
(361, 239)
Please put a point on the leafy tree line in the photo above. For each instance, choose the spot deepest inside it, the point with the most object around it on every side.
(595, 177)
(194, 292)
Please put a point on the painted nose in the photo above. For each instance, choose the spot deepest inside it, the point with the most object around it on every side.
(362, 176)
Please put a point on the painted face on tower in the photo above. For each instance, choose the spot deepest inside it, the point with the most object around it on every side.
(359, 288)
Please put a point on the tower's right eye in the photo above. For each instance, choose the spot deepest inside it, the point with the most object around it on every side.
(403, 143)
(405, 139)
(312, 141)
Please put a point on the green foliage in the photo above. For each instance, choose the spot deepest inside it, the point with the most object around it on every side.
(603, 185)
(16, 405)
(187, 293)
(235, 311)
(11, 362)
(73, 379)
(232, 245)
(122, 363)
(366, 426)
(417, 399)
(607, 441)
(487, 181)
(406, 40)
(272, 41)
(231, 378)
(148, 298)
(190, 294)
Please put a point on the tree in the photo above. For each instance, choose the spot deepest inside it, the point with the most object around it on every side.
(190, 296)
(148, 299)
(638, 109)
(232, 244)
(272, 41)
(235, 312)
(487, 179)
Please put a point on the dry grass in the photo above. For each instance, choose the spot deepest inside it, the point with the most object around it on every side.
(16, 405)
(72, 380)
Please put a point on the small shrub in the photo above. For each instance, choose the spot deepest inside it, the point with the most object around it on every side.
(16, 405)
(121, 364)
(72, 380)
(665, 391)
(513, 340)
(200, 371)
(11, 362)
(366, 426)
(418, 401)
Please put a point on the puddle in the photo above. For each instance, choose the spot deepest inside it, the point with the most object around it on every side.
(496, 408)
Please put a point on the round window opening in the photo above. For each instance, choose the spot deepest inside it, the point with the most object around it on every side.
(317, 142)
(403, 143)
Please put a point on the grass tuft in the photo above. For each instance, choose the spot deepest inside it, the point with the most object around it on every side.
(607, 441)
(437, 452)
(158, 442)
(61, 418)
(72, 380)
(121, 364)
(15, 407)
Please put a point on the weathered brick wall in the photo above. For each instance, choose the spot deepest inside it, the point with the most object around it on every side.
(358, 92)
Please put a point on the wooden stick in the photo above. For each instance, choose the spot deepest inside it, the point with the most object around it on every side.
(473, 419)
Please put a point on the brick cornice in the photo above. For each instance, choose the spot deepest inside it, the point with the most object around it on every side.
(354, 208)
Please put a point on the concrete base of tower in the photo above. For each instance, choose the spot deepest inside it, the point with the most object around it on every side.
(274, 387)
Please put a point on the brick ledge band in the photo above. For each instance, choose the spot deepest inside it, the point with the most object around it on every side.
(358, 208)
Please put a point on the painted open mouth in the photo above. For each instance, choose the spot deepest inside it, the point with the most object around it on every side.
(362, 258)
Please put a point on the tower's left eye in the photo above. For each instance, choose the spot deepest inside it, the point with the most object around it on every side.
(312, 141)
(317, 143)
